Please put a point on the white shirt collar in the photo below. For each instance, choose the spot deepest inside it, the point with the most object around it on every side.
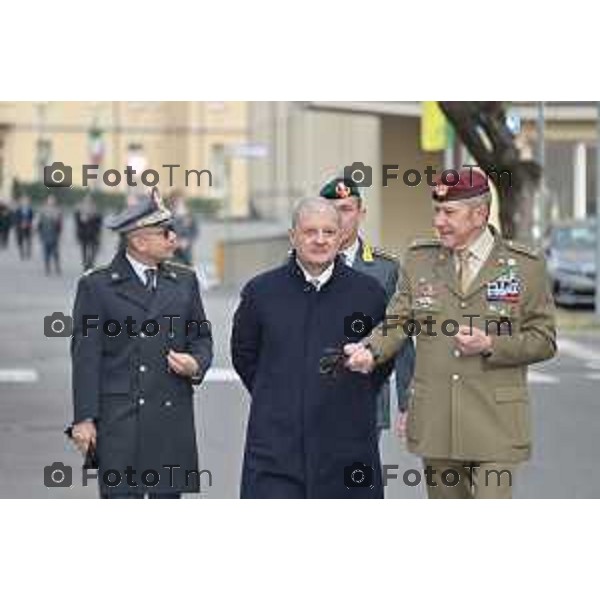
(320, 280)
(482, 246)
(479, 251)
(350, 253)
(139, 267)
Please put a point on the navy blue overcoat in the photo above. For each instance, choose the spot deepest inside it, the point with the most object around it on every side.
(306, 429)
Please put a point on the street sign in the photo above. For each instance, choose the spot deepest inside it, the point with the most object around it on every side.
(248, 150)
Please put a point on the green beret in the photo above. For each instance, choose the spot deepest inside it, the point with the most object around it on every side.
(339, 188)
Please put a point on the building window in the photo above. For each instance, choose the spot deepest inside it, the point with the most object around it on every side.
(136, 159)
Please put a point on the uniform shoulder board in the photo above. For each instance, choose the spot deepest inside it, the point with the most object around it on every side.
(424, 243)
(180, 267)
(522, 249)
(95, 270)
(177, 265)
(383, 253)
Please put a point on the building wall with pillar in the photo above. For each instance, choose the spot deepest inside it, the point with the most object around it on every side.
(570, 169)
(304, 148)
(406, 210)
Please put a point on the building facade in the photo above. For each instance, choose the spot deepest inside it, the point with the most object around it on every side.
(200, 137)
(307, 142)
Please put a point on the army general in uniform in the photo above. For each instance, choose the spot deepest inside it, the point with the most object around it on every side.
(484, 310)
(385, 268)
(132, 391)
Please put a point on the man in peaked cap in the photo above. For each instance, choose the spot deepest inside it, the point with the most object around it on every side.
(385, 268)
(482, 311)
(140, 341)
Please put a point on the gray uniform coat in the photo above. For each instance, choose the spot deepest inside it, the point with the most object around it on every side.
(144, 413)
(386, 269)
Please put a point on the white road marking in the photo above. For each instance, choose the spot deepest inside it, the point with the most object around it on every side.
(31, 375)
(579, 351)
(537, 377)
(216, 374)
(18, 376)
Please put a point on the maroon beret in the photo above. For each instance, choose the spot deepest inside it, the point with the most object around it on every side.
(471, 184)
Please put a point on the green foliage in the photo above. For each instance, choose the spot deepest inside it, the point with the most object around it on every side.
(205, 206)
(69, 197)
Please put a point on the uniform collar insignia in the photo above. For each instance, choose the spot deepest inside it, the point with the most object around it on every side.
(167, 270)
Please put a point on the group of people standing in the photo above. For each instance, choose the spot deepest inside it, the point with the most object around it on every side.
(47, 221)
(314, 342)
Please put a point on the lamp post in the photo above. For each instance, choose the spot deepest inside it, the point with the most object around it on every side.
(540, 215)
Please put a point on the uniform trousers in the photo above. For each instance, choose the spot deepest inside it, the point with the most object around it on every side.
(452, 479)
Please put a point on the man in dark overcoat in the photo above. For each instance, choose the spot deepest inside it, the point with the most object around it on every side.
(311, 434)
(140, 341)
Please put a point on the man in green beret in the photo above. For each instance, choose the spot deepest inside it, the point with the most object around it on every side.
(385, 268)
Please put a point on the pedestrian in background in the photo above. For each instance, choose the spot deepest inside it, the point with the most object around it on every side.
(23, 223)
(186, 228)
(88, 227)
(49, 226)
(6, 221)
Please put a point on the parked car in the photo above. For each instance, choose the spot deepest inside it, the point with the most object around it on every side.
(571, 254)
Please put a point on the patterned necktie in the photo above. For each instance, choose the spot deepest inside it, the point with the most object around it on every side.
(316, 283)
(150, 279)
(463, 269)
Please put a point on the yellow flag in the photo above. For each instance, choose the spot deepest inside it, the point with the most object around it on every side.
(434, 128)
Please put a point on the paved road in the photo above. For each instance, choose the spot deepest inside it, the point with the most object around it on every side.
(35, 405)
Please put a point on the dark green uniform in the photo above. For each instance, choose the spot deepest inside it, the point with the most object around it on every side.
(385, 267)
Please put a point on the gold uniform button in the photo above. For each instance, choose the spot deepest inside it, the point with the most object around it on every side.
(455, 377)
(463, 305)
(168, 403)
(457, 353)
(143, 368)
(141, 402)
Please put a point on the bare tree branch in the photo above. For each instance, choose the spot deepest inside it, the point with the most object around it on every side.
(481, 126)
